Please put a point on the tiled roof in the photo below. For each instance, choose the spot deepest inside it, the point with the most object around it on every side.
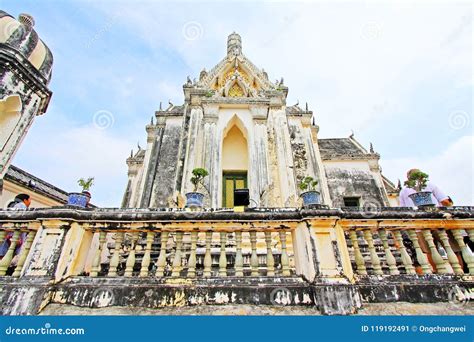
(23, 178)
(339, 147)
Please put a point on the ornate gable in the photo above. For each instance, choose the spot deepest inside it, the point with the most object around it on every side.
(236, 75)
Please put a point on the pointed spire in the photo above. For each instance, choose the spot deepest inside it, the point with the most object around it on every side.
(161, 108)
(307, 107)
(313, 121)
(131, 153)
(234, 45)
(151, 121)
(399, 186)
(371, 148)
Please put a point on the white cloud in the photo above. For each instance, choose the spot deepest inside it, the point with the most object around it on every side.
(450, 169)
(61, 153)
(360, 65)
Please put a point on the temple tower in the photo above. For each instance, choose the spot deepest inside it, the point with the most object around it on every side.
(25, 71)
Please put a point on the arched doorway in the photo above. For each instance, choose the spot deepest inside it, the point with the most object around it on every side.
(235, 161)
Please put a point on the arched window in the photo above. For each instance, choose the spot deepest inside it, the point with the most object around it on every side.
(10, 114)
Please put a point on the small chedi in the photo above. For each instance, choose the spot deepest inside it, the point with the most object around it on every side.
(348, 250)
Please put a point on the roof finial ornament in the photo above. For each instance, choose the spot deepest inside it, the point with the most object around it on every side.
(188, 81)
(151, 121)
(171, 105)
(131, 153)
(297, 103)
(307, 107)
(352, 134)
(371, 148)
(313, 121)
(399, 186)
(234, 45)
(139, 147)
(282, 81)
(161, 107)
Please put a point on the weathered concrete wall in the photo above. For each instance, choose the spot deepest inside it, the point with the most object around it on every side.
(165, 177)
(352, 180)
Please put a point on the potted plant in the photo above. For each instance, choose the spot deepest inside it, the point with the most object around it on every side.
(81, 199)
(417, 181)
(195, 198)
(310, 195)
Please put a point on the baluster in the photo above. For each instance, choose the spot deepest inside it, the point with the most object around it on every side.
(470, 232)
(420, 256)
(452, 258)
(239, 261)
(2, 235)
(465, 250)
(407, 262)
(115, 260)
(177, 256)
(25, 249)
(254, 257)
(285, 261)
(161, 262)
(359, 259)
(391, 262)
(222, 257)
(95, 269)
(373, 253)
(130, 263)
(192, 256)
(150, 236)
(270, 260)
(437, 259)
(207, 256)
(7, 258)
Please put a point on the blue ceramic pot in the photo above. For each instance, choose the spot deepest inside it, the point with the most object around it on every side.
(422, 198)
(311, 198)
(194, 199)
(78, 199)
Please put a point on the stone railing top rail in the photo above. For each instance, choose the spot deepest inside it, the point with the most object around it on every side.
(260, 214)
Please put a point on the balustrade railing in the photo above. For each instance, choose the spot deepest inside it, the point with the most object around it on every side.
(15, 245)
(174, 252)
(383, 250)
(324, 243)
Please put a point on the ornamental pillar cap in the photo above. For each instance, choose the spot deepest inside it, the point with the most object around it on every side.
(234, 44)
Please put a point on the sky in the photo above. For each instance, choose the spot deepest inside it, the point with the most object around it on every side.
(397, 74)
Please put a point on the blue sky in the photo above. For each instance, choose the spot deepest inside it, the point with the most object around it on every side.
(399, 74)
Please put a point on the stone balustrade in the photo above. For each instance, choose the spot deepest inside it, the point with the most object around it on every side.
(416, 247)
(333, 258)
(206, 250)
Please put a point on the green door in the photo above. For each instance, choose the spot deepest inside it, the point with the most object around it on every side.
(232, 181)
